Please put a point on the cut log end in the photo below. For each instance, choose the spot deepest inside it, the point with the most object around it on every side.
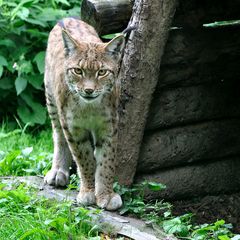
(106, 18)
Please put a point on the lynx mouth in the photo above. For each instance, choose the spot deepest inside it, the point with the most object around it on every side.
(89, 97)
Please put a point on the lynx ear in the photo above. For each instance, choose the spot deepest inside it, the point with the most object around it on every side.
(70, 44)
(116, 46)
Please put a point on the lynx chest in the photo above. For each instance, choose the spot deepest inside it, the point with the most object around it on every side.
(93, 118)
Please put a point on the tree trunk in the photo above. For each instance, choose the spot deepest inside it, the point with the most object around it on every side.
(139, 75)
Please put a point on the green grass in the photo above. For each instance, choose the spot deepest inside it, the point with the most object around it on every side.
(23, 215)
(25, 153)
(21, 138)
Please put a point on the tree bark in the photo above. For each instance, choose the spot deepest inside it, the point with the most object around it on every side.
(139, 75)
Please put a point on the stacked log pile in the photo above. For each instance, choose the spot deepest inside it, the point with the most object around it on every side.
(192, 137)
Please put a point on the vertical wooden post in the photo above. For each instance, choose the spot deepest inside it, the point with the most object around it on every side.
(139, 75)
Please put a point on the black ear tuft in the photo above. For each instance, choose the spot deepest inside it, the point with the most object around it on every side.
(116, 46)
(69, 43)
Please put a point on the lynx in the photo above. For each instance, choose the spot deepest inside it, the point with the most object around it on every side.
(82, 94)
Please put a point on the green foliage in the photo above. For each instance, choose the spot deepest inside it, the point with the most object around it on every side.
(159, 215)
(222, 24)
(74, 182)
(133, 199)
(25, 216)
(218, 230)
(22, 162)
(110, 36)
(24, 154)
(24, 30)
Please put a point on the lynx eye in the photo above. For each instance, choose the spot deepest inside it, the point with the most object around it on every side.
(102, 72)
(77, 71)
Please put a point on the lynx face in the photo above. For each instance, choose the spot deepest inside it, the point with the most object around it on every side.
(91, 68)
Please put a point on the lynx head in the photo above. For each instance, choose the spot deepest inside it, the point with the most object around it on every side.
(91, 68)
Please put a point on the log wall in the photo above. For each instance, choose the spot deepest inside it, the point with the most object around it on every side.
(192, 137)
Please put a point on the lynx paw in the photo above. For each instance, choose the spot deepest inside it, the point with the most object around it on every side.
(110, 202)
(57, 177)
(86, 197)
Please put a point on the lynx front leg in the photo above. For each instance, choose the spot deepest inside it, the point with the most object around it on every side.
(105, 156)
(62, 158)
(83, 155)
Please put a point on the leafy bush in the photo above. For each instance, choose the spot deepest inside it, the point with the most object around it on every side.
(25, 25)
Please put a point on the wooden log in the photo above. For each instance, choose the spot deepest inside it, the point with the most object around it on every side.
(107, 16)
(196, 180)
(113, 16)
(187, 144)
(139, 75)
(204, 45)
(196, 57)
(187, 105)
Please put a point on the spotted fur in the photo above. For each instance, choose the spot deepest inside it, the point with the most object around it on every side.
(82, 95)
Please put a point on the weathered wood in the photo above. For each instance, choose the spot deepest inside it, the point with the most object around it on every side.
(139, 76)
(187, 144)
(107, 16)
(187, 105)
(113, 16)
(203, 179)
(196, 57)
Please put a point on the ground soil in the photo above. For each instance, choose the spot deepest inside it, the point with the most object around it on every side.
(211, 208)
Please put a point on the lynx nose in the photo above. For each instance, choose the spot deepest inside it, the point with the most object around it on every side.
(88, 91)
